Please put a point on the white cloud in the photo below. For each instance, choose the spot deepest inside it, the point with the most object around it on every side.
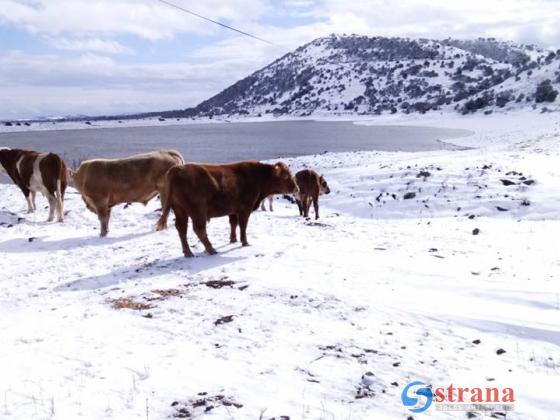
(33, 85)
(88, 44)
(525, 21)
(91, 82)
(148, 19)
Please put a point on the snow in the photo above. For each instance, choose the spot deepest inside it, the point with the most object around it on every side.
(400, 288)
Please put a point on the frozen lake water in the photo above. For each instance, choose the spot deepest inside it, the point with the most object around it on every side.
(227, 142)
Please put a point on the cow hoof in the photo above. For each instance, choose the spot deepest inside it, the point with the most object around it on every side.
(232, 240)
(212, 251)
(188, 254)
(245, 244)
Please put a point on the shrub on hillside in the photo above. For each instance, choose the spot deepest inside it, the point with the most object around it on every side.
(545, 92)
(475, 104)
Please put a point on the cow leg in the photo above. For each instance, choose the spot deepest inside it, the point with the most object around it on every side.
(316, 206)
(52, 206)
(305, 202)
(270, 200)
(33, 194)
(199, 225)
(300, 207)
(182, 224)
(243, 221)
(59, 209)
(104, 213)
(233, 227)
(29, 202)
(59, 202)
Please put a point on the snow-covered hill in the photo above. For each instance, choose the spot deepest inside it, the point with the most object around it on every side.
(125, 327)
(376, 75)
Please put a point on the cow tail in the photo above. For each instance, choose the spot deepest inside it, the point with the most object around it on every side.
(59, 189)
(162, 222)
(60, 186)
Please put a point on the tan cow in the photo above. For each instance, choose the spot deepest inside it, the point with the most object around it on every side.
(32, 172)
(105, 183)
(204, 191)
(311, 185)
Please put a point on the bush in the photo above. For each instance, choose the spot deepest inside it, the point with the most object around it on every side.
(503, 98)
(422, 107)
(545, 92)
(473, 105)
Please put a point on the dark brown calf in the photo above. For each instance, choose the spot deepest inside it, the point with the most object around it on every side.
(311, 185)
(204, 191)
(32, 172)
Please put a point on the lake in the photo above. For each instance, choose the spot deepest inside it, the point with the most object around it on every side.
(226, 142)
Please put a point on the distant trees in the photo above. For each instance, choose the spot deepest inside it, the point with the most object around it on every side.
(475, 104)
(387, 75)
(503, 98)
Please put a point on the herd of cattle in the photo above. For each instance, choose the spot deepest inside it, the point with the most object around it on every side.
(192, 190)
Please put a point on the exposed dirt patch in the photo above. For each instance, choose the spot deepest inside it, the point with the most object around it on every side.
(197, 406)
(166, 293)
(223, 320)
(129, 303)
(219, 283)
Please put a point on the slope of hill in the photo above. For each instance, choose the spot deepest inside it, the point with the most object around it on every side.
(375, 75)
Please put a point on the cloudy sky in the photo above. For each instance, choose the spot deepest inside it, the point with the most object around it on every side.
(61, 57)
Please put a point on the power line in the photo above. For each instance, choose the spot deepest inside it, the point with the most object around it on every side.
(213, 21)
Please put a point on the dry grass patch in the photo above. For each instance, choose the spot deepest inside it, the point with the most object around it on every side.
(129, 303)
(165, 293)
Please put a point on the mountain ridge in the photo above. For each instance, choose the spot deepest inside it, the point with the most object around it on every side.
(362, 75)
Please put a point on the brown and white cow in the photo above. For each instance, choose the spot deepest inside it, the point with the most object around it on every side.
(204, 191)
(105, 183)
(311, 185)
(36, 172)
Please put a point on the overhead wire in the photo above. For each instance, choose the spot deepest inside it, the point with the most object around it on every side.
(170, 4)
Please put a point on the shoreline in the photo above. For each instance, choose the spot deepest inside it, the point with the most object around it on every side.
(486, 130)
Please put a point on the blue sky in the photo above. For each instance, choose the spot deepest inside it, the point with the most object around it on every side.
(61, 57)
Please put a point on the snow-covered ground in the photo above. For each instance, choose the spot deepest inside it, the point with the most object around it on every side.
(402, 288)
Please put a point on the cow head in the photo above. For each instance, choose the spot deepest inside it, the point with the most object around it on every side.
(284, 180)
(323, 186)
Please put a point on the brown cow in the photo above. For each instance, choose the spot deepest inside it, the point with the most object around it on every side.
(311, 185)
(204, 191)
(33, 171)
(105, 183)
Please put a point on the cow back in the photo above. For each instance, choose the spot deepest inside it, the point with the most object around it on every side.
(308, 182)
(133, 179)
